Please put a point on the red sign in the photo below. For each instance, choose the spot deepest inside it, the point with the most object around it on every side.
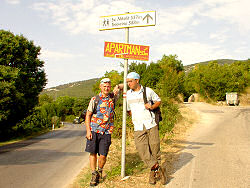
(126, 51)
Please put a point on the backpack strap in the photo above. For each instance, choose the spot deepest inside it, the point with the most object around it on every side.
(156, 111)
(97, 98)
(112, 96)
(144, 95)
(145, 98)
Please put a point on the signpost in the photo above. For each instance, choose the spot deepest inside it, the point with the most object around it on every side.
(137, 19)
(126, 51)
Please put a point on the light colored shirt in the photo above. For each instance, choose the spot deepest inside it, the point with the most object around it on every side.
(140, 115)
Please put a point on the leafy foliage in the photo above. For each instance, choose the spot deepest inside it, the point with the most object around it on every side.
(80, 105)
(213, 80)
(21, 79)
(152, 75)
(172, 80)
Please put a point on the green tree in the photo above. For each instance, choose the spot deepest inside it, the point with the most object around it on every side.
(239, 77)
(80, 105)
(213, 80)
(171, 83)
(22, 78)
(140, 68)
(45, 98)
(65, 106)
(189, 85)
(152, 75)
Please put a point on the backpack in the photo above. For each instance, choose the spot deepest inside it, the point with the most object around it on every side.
(156, 111)
(97, 98)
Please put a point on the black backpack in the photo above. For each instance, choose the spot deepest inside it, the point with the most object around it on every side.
(156, 111)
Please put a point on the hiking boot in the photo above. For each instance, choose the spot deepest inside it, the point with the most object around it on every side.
(152, 179)
(95, 179)
(162, 175)
(100, 176)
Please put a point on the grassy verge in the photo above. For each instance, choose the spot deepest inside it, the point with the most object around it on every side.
(171, 146)
(18, 139)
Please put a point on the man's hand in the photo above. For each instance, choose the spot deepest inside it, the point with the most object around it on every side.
(116, 90)
(87, 124)
(152, 107)
(148, 106)
(89, 135)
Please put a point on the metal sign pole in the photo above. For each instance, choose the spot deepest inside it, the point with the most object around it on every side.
(124, 109)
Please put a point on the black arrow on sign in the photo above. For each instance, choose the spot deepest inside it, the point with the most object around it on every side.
(147, 16)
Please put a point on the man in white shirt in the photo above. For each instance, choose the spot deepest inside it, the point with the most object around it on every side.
(146, 129)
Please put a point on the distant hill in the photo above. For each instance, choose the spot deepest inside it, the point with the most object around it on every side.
(84, 88)
(74, 89)
(188, 68)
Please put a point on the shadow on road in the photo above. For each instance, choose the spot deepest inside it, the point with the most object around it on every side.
(190, 145)
(56, 134)
(171, 160)
(36, 156)
(17, 145)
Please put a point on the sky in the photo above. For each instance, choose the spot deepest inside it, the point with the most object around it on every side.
(72, 46)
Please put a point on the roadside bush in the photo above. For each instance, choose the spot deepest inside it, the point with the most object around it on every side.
(32, 124)
(170, 116)
(70, 118)
(80, 105)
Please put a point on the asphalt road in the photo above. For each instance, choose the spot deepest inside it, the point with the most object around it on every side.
(217, 150)
(52, 160)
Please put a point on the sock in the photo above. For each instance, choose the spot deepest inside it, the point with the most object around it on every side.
(99, 169)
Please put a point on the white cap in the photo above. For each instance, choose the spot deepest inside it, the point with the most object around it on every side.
(105, 80)
(133, 75)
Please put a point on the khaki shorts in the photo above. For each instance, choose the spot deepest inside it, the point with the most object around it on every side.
(148, 145)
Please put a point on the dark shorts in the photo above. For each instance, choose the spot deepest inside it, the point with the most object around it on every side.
(99, 144)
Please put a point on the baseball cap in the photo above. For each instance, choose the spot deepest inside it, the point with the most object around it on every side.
(105, 80)
(133, 75)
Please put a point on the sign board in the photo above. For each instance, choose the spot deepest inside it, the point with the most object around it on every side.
(137, 19)
(126, 51)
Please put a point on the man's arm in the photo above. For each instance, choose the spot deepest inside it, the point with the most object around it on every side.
(152, 97)
(87, 124)
(152, 107)
(129, 113)
(117, 89)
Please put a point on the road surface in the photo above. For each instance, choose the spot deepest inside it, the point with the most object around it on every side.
(52, 160)
(217, 152)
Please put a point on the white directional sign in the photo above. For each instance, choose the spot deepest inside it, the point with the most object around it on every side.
(136, 19)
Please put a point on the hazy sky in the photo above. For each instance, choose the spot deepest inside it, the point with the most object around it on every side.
(72, 45)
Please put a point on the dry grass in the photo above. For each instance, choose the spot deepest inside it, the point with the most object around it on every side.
(171, 145)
